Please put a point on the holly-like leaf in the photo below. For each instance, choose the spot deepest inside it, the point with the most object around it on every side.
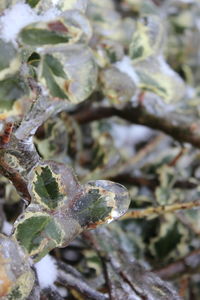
(101, 202)
(38, 233)
(46, 187)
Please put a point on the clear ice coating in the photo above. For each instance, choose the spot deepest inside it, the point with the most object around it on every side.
(116, 195)
(16, 274)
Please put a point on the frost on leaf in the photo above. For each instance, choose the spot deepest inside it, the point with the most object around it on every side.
(16, 277)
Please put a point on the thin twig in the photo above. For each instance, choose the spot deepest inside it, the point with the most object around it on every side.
(146, 212)
(121, 168)
(186, 265)
(81, 286)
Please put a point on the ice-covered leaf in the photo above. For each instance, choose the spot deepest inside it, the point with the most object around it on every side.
(69, 72)
(71, 27)
(9, 60)
(108, 52)
(62, 5)
(34, 36)
(101, 19)
(61, 208)
(157, 76)
(51, 185)
(12, 89)
(102, 201)
(46, 187)
(117, 86)
(148, 39)
(38, 233)
(16, 276)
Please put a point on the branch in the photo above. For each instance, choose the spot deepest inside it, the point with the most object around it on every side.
(151, 183)
(186, 265)
(141, 213)
(187, 133)
(121, 168)
(81, 286)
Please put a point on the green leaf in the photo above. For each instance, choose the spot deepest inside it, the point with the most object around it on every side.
(7, 53)
(46, 187)
(11, 89)
(38, 37)
(28, 232)
(32, 3)
(69, 72)
(102, 201)
(137, 52)
(91, 208)
(38, 233)
(168, 242)
(55, 66)
(52, 85)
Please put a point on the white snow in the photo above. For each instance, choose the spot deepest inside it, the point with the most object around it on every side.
(20, 15)
(46, 271)
(129, 135)
(125, 66)
(62, 291)
(7, 228)
(55, 2)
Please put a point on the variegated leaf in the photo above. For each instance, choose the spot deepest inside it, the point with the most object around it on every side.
(148, 39)
(38, 233)
(72, 26)
(69, 72)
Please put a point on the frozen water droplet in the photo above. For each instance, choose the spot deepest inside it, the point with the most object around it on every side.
(117, 197)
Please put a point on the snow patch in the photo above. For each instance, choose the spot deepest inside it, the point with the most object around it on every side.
(125, 66)
(130, 135)
(7, 228)
(55, 2)
(62, 291)
(19, 16)
(46, 271)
